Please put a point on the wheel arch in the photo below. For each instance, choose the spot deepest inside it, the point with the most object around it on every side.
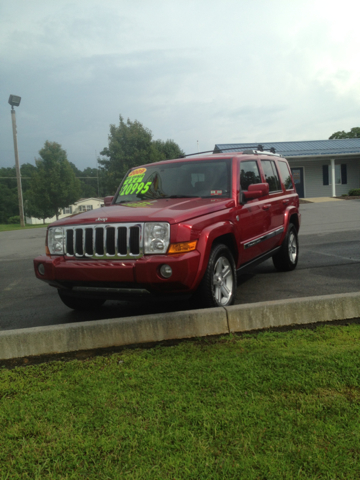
(294, 219)
(220, 233)
(291, 215)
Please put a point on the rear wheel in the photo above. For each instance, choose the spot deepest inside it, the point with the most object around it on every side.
(287, 257)
(80, 303)
(217, 288)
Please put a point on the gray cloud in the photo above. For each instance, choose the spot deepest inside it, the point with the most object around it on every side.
(190, 71)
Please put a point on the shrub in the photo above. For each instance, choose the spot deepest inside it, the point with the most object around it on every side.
(354, 192)
(15, 219)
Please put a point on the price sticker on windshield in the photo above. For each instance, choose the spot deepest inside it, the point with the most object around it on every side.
(216, 192)
(134, 183)
(138, 171)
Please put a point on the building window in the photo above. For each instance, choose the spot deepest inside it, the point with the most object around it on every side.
(67, 210)
(340, 174)
(85, 208)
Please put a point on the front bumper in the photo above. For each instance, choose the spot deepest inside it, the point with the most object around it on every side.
(105, 275)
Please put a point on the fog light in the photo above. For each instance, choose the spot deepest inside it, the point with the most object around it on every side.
(41, 269)
(165, 271)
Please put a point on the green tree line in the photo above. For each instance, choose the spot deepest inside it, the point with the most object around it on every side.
(54, 182)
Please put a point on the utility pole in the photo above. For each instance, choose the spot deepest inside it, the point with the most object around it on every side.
(14, 100)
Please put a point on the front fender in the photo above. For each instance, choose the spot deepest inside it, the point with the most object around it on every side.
(205, 243)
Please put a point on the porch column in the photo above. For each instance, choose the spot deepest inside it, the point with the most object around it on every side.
(333, 186)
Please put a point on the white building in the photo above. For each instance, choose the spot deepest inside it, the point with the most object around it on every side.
(82, 205)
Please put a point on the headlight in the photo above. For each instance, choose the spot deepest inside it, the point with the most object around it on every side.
(56, 241)
(157, 237)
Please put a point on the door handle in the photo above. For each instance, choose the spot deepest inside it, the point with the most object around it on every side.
(266, 206)
(286, 201)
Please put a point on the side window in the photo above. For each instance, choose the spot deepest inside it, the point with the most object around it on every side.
(249, 174)
(271, 175)
(285, 175)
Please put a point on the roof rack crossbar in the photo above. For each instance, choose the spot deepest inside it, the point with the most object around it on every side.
(250, 150)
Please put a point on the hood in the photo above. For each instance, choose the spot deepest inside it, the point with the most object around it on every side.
(172, 210)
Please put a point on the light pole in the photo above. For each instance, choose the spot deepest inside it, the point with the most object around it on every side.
(14, 101)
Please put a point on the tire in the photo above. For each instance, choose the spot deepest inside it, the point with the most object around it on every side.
(80, 303)
(218, 287)
(287, 257)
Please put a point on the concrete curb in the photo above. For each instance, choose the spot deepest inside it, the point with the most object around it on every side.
(74, 337)
(298, 311)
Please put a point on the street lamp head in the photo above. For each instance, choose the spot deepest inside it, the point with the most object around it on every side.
(14, 100)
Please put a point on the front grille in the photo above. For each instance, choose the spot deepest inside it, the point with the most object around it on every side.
(116, 240)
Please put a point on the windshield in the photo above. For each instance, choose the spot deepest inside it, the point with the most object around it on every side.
(204, 179)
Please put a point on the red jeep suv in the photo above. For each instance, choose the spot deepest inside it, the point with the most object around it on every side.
(184, 226)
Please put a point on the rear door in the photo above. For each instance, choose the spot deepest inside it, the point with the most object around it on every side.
(273, 204)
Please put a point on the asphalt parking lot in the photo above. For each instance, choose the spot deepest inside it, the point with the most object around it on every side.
(328, 264)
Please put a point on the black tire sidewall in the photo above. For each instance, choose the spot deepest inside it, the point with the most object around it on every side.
(282, 261)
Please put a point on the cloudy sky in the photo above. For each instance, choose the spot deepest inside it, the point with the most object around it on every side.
(189, 70)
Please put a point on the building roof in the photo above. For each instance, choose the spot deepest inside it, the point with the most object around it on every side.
(81, 200)
(295, 149)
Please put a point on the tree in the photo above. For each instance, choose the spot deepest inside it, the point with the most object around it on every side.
(168, 149)
(54, 184)
(9, 201)
(354, 133)
(130, 145)
(89, 180)
(89, 186)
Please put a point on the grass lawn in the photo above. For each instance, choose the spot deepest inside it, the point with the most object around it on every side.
(16, 226)
(276, 405)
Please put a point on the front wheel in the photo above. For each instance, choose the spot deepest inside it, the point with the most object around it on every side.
(80, 303)
(287, 257)
(217, 288)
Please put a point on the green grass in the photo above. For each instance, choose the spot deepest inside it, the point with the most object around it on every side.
(267, 406)
(16, 226)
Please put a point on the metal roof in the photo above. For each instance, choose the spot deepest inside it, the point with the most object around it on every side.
(295, 149)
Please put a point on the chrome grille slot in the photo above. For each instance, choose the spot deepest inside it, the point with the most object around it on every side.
(134, 240)
(88, 242)
(110, 241)
(78, 242)
(117, 241)
(69, 243)
(99, 242)
(122, 240)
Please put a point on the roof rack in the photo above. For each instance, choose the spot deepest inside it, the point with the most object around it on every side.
(260, 149)
(207, 151)
(252, 151)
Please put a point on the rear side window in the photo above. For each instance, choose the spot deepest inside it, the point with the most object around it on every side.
(271, 175)
(249, 174)
(285, 175)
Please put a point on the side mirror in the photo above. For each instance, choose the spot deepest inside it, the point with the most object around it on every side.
(256, 190)
(108, 201)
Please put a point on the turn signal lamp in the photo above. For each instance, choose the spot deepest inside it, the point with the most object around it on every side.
(182, 247)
